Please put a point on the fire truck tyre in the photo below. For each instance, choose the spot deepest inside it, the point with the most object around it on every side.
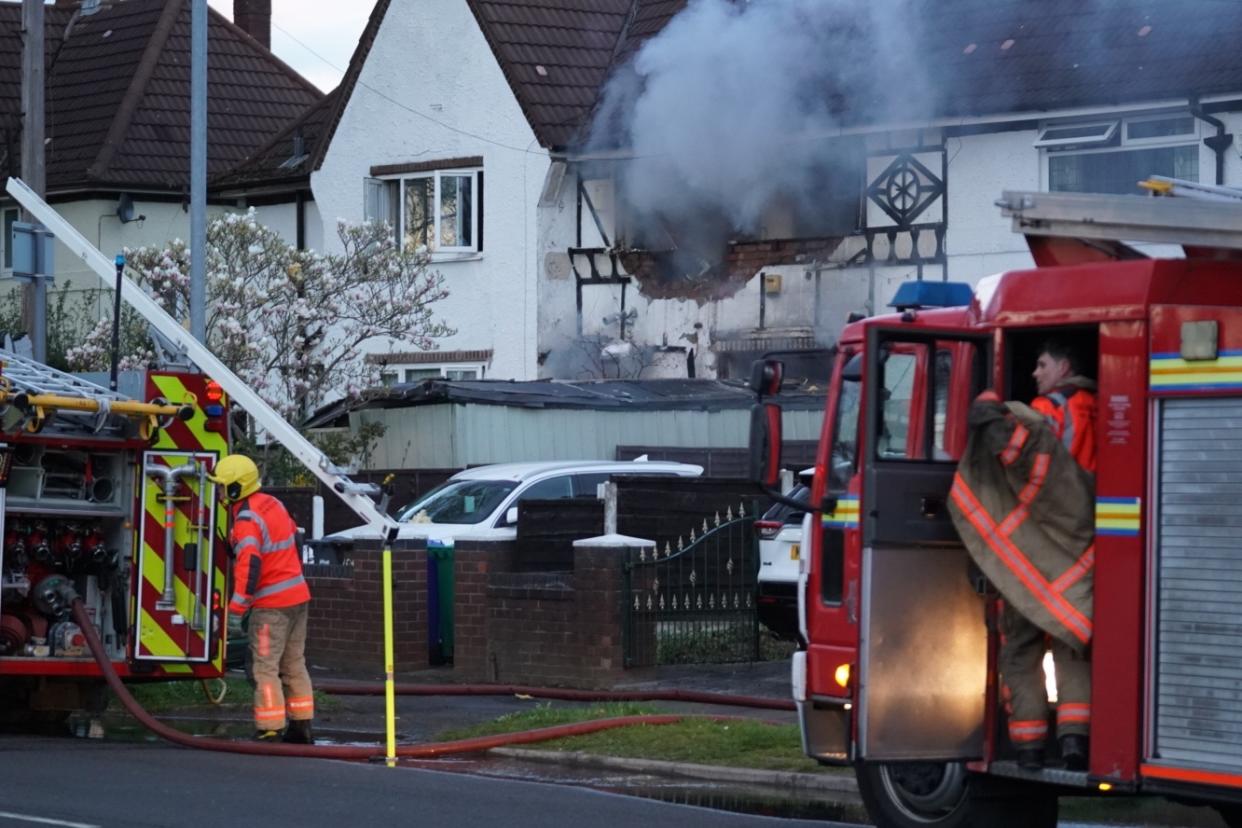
(945, 795)
(1231, 814)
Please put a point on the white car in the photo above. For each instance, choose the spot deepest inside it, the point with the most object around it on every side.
(482, 502)
(780, 552)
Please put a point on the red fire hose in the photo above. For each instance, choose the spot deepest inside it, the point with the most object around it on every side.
(425, 751)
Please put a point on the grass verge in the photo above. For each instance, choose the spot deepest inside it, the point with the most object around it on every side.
(744, 743)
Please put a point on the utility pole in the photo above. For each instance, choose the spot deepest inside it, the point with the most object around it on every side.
(34, 297)
(198, 170)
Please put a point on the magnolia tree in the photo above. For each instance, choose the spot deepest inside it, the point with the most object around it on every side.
(289, 322)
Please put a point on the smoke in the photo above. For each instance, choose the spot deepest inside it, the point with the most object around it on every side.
(736, 107)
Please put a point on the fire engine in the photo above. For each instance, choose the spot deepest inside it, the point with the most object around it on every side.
(108, 492)
(898, 676)
(107, 501)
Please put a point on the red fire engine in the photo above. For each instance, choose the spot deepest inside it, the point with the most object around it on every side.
(899, 674)
(108, 493)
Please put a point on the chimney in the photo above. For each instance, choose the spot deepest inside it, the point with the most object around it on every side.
(255, 16)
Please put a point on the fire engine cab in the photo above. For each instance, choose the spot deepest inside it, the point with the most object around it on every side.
(105, 494)
(898, 677)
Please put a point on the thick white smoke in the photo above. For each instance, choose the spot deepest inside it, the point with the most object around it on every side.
(735, 104)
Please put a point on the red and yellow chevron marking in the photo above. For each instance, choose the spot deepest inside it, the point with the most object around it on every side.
(166, 634)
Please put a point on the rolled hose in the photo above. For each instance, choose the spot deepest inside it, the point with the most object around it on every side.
(429, 750)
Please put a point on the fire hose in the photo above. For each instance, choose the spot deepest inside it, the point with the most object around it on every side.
(429, 750)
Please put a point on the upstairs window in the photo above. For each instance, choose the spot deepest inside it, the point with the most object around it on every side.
(1113, 156)
(437, 209)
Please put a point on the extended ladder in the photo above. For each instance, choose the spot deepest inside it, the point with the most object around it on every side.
(263, 414)
(1190, 222)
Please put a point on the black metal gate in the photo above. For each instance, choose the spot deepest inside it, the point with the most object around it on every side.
(693, 602)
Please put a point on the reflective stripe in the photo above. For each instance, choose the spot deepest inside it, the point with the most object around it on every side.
(243, 544)
(1039, 471)
(1056, 398)
(1073, 713)
(301, 704)
(1067, 436)
(288, 583)
(1074, 574)
(246, 514)
(239, 599)
(268, 545)
(1018, 563)
(1028, 730)
(1014, 449)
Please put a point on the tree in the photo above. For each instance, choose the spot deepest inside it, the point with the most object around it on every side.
(289, 322)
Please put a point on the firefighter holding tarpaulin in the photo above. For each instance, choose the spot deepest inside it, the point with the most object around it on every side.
(1023, 501)
(268, 584)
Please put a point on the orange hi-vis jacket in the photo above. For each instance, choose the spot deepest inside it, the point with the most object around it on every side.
(1070, 411)
(268, 568)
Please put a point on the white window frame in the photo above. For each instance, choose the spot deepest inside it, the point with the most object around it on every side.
(398, 369)
(6, 239)
(1117, 142)
(438, 251)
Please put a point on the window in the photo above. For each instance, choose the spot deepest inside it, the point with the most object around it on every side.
(458, 501)
(10, 218)
(899, 421)
(1113, 157)
(393, 374)
(845, 444)
(587, 485)
(438, 209)
(554, 488)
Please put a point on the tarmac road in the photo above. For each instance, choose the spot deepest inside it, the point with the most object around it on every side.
(77, 783)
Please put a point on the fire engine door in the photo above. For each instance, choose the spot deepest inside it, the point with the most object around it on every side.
(175, 561)
(923, 640)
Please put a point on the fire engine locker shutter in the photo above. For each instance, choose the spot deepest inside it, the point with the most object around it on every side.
(1199, 589)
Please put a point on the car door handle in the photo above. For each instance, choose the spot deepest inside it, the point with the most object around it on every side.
(931, 506)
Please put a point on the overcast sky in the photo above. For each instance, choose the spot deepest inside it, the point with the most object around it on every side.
(315, 37)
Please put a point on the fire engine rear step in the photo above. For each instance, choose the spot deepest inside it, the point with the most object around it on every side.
(1054, 776)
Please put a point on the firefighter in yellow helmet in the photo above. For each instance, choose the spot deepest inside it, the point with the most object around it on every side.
(268, 583)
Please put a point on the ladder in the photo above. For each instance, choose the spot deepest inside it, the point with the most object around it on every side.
(1162, 185)
(24, 374)
(356, 496)
(1199, 221)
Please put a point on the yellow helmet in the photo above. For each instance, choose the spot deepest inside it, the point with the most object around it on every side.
(238, 474)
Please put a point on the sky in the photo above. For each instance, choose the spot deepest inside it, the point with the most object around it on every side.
(315, 37)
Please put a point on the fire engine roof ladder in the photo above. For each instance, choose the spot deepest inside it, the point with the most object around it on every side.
(37, 389)
(353, 494)
(1209, 219)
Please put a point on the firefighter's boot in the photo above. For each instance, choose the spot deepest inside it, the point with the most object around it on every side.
(299, 732)
(1074, 752)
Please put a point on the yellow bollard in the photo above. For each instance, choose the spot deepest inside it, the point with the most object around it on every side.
(390, 695)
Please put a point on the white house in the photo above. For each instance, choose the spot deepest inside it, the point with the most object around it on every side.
(467, 123)
(117, 117)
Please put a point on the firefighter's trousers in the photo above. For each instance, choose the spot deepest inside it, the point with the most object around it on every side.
(1021, 663)
(282, 687)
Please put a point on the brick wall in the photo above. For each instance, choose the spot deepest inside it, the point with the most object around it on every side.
(547, 628)
(346, 624)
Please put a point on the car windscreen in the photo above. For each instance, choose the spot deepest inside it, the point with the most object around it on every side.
(788, 514)
(458, 501)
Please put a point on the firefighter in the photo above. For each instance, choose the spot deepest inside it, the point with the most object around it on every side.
(269, 587)
(1066, 399)
(1023, 502)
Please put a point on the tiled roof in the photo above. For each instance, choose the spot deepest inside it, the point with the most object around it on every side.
(1064, 53)
(118, 109)
(278, 163)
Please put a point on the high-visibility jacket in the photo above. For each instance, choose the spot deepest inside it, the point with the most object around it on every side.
(1026, 513)
(1070, 411)
(267, 572)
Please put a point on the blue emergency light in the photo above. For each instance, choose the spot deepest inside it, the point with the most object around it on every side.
(915, 295)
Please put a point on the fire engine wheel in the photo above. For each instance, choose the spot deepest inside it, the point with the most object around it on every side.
(945, 795)
(1231, 814)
